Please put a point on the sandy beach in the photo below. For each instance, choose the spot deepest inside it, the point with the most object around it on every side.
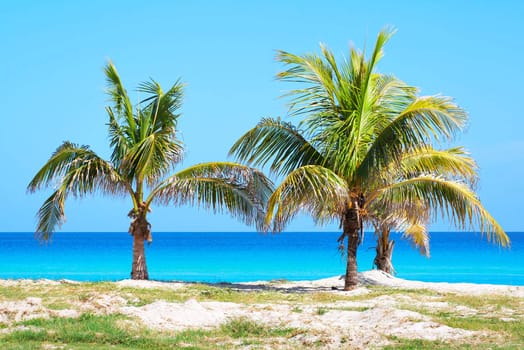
(358, 319)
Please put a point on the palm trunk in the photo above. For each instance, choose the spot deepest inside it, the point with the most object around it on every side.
(384, 252)
(351, 227)
(140, 229)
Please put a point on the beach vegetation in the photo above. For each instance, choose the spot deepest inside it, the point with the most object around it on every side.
(119, 332)
(146, 148)
(321, 311)
(341, 161)
(243, 327)
(88, 330)
(497, 319)
(296, 309)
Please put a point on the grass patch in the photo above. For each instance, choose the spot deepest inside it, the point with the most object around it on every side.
(86, 329)
(321, 311)
(100, 332)
(491, 302)
(245, 328)
(296, 309)
(114, 332)
(513, 331)
(418, 344)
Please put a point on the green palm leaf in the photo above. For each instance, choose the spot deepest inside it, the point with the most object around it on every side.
(311, 189)
(278, 142)
(120, 97)
(77, 171)
(454, 199)
(452, 163)
(51, 215)
(86, 171)
(424, 120)
(240, 190)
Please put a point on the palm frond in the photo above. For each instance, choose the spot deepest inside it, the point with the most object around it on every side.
(156, 149)
(78, 171)
(452, 163)
(278, 142)
(312, 189)
(221, 186)
(84, 167)
(163, 104)
(424, 120)
(320, 93)
(153, 157)
(120, 140)
(50, 215)
(389, 96)
(367, 73)
(419, 236)
(453, 199)
(119, 96)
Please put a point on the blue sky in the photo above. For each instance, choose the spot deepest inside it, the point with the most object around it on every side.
(52, 84)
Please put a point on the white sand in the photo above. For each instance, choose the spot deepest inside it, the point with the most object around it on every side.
(372, 322)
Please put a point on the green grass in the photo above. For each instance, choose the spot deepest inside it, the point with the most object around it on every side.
(88, 330)
(417, 344)
(117, 332)
(486, 302)
(244, 328)
(321, 311)
(513, 331)
(495, 333)
(297, 309)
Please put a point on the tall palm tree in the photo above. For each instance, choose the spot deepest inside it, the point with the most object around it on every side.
(145, 149)
(355, 124)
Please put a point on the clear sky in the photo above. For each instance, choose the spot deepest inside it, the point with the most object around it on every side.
(52, 84)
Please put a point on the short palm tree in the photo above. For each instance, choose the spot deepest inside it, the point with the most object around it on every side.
(145, 149)
(453, 165)
(355, 124)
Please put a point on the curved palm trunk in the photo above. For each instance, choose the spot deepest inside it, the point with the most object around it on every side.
(140, 229)
(384, 252)
(351, 227)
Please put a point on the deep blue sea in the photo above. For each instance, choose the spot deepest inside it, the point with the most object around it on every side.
(249, 256)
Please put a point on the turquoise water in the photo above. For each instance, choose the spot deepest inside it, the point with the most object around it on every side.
(243, 256)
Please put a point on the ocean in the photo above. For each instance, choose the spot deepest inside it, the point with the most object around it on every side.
(250, 256)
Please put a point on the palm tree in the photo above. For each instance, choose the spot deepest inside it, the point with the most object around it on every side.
(412, 218)
(355, 124)
(145, 149)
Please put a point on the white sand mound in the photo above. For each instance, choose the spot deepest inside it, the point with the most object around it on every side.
(178, 316)
(361, 329)
(375, 277)
(22, 310)
(380, 278)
